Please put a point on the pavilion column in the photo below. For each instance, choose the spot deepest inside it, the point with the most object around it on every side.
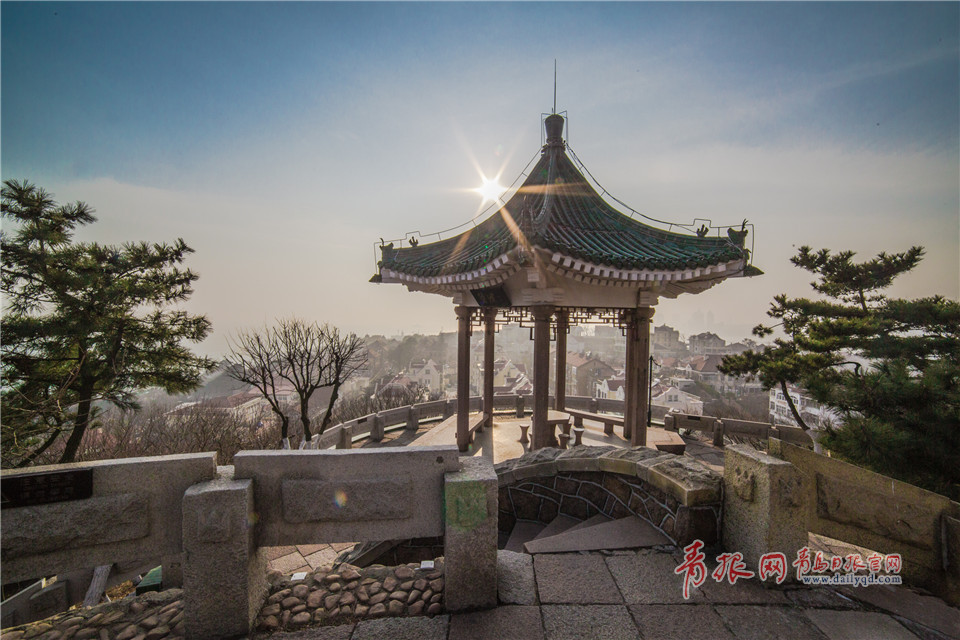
(638, 375)
(563, 323)
(630, 382)
(463, 376)
(489, 329)
(541, 377)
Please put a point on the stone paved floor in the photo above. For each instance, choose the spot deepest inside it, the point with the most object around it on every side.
(635, 595)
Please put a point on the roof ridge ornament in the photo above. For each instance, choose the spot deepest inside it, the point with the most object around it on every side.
(554, 128)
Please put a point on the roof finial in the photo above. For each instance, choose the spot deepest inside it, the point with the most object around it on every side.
(554, 85)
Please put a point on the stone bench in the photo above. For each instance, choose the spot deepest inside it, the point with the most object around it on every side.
(607, 419)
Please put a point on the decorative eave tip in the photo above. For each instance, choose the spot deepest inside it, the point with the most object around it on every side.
(751, 271)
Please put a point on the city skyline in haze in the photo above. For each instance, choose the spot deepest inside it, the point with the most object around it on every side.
(283, 140)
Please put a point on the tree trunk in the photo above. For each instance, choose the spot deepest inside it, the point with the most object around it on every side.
(793, 408)
(80, 423)
(305, 418)
(329, 413)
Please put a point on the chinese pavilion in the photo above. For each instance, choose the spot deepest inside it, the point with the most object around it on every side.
(558, 254)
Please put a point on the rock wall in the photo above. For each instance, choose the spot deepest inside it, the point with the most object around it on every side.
(677, 495)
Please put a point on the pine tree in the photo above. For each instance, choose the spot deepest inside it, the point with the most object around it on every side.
(83, 323)
(889, 367)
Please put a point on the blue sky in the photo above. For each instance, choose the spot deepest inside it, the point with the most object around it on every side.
(281, 140)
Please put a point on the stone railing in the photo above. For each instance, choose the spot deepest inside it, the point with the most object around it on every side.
(205, 523)
(717, 428)
(375, 425)
(772, 500)
(677, 495)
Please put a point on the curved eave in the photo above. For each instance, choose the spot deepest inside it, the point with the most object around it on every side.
(576, 269)
(492, 274)
(585, 271)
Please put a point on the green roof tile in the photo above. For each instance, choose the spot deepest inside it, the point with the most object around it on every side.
(557, 209)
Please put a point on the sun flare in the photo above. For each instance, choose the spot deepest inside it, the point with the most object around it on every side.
(490, 190)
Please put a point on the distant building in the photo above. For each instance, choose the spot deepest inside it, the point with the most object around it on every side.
(706, 344)
(400, 387)
(611, 389)
(675, 399)
(584, 371)
(508, 378)
(427, 374)
(666, 341)
(703, 369)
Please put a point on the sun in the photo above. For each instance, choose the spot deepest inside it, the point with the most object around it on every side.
(491, 190)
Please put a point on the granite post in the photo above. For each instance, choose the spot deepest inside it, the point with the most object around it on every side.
(470, 535)
(224, 578)
(763, 505)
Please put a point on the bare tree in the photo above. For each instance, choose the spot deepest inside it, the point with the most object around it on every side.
(347, 355)
(254, 359)
(308, 356)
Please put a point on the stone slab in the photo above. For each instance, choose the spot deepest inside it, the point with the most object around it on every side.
(334, 632)
(288, 563)
(351, 468)
(272, 553)
(666, 441)
(37, 530)
(588, 622)
(858, 625)
(575, 578)
(502, 623)
(625, 533)
(648, 578)
(151, 487)
(742, 592)
(522, 533)
(691, 483)
(821, 598)
(416, 628)
(324, 557)
(926, 610)
(347, 500)
(672, 621)
(515, 581)
(755, 622)
(600, 518)
(558, 525)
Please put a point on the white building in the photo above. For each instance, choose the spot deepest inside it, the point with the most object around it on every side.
(611, 389)
(815, 415)
(675, 399)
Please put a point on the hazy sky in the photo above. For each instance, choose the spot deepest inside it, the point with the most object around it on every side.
(282, 140)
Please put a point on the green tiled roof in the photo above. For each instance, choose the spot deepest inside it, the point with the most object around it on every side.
(557, 209)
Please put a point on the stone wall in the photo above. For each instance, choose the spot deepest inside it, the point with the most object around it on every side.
(677, 495)
(133, 514)
(849, 503)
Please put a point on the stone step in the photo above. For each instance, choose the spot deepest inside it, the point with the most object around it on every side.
(558, 525)
(625, 533)
(523, 532)
(592, 520)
